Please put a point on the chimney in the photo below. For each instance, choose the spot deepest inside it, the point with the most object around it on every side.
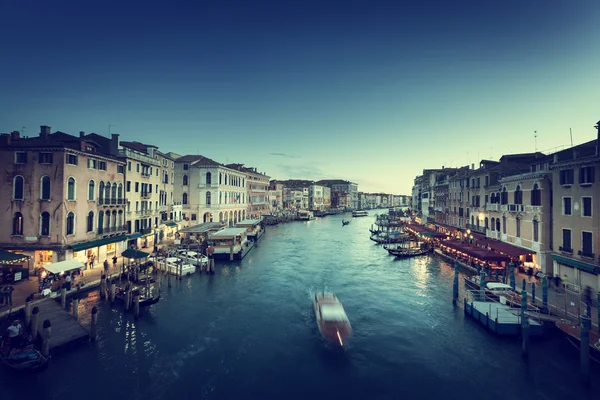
(81, 134)
(44, 131)
(114, 144)
(472, 166)
(15, 135)
(597, 139)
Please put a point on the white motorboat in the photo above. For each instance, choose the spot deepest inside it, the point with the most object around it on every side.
(332, 320)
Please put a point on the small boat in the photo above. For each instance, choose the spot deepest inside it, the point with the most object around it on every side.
(405, 253)
(344, 223)
(572, 331)
(498, 289)
(394, 237)
(23, 360)
(331, 318)
(360, 214)
(145, 299)
(472, 282)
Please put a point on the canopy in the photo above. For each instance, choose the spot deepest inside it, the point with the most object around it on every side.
(63, 266)
(135, 254)
(6, 257)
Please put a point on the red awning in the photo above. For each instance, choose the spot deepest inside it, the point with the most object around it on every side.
(504, 248)
(417, 228)
(489, 256)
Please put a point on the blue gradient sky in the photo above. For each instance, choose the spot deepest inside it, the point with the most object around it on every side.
(369, 91)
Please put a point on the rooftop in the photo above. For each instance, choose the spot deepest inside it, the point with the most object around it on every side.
(227, 233)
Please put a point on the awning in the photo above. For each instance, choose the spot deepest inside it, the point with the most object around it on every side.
(506, 248)
(135, 254)
(592, 269)
(171, 224)
(63, 266)
(201, 228)
(134, 235)
(7, 257)
(97, 243)
(484, 255)
(148, 234)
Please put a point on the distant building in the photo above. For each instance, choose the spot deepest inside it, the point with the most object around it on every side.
(343, 193)
(257, 187)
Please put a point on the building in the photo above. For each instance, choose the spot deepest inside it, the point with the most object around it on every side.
(575, 212)
(315, 198)
(275, 196)
(326, 198)
(209, 191)
(257, 187)
(66, 198)
(343, 193)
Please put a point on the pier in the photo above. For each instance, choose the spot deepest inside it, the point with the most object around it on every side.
(66, 330)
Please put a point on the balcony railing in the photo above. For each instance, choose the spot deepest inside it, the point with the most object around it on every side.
(146, 195)
(146, 174)
(145, 231)
(476, 228)
(163, 208)
(111, 201)
(112, 229)
(515, 207)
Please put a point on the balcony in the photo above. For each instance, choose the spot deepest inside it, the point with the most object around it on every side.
(112, 229)
(163, 208)
(515, 208)
(111, 201)
(139, 157)
(476, 228)
(585, 254)
(145, 231)
(493, 234)
(145, 174)
(533, 209)
(209, 185)
(146, 195)
(492, 207)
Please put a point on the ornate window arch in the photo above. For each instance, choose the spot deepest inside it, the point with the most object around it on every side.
(71, 188)
(18, 188)
(17, 228)
(45, 224)
(70, 228)
(91, 190)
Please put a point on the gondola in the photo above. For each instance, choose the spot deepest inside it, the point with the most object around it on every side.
(572, 331)
(344, 223)
(405, 253)
(144, 299)
(23, 360)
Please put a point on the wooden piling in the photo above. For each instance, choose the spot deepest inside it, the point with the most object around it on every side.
(136, 305)
(75, 309)
(93, 326)
(231, 253)
(35, 322)
(103, 287)
(584, 347)
(113, 291)
(455, 284)
(127, 297)
(63, 297)
(46, 338)
(27, 312)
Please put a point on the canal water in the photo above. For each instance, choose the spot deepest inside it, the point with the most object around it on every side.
(249, 332)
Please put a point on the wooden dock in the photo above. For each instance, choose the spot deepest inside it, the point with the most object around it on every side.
(500, 318)
(66, 331)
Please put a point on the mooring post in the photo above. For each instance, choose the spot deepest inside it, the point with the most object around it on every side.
(136, 305)
(513, 283)
(94, 323)
(75, 305)
(533, 292)
(46, 338)
(27, 312)
(545, 293)
(524, 286)
(584, 347)
(113, 291)
(127, 297)
(231, 253)
(103, 286)
(482, 286)
(598, 310)
(35, 322)
(455, 284)
(169, 280)
(524, 321)
(63, 297)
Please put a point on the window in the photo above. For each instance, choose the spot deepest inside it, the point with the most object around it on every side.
(128, 186)
(137, 167)
(100, 221)
(120, 192)
(45, 224)
(566, 206)
(493, 224)
(120, 169)
(114, 193)
(70, 223)
(504, 197)
(208, 178)
(166, 178)
(45, 158)
(71, 189)
(504, 225)
(20, 157)
(137, 187)
(71, 159)
(193, 217)
(185, 180)
(90, 221)
(185, 167)
(129, 166)
(91, 164)
(498, 224)
(586, 175)
(18, 187)
(184, 199)
(107, 187)
(91, 191)
(567, 177)
(207, 197)
(45, 188)
(566, 242)
(536, 231)
(518, 221)
(586, 209)
(586, 244)
(102, 165)
(518, 195)
(536, 195)
(486, 223)
(220, 178)
(17, 229)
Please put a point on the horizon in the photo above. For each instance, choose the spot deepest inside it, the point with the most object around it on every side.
(372, 94)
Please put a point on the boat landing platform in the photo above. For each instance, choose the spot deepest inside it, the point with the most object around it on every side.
(500, 318)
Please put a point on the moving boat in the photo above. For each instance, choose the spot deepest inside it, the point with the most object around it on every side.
(344, 223)
(331, 318)
(305, 215)
(360, 214)
(404, 253)
(572, 332)
(26, 360)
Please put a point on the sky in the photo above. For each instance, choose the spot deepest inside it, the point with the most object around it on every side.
(369, 91)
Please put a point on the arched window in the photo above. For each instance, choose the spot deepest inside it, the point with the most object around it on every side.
(17, 224)
(45, 188)
(220, 197)
(498, 224)
(71, 188)
(536, 195)
(92, 190)
(101, 192)
(107, 192)
(487, 223)
(504, 198)
(185, 180)
(207, 197)
(208, 178)
(226, 178)
(90, 221)
(120, 219)
(493, 224)
(220, 178)
(18, 187)
(472, 220)
(70, 223)
(504, 225)
(518, 196)
(184, 200)
(114, 219)
(100, 221)
(45, 224)
(120, 193)
(493, 198)
(113, 198)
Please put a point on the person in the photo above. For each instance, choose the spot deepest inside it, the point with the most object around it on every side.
(14, 333)
(587, 296)
(8, 291)
(68, 281)
(106, 266)
(115, 261)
